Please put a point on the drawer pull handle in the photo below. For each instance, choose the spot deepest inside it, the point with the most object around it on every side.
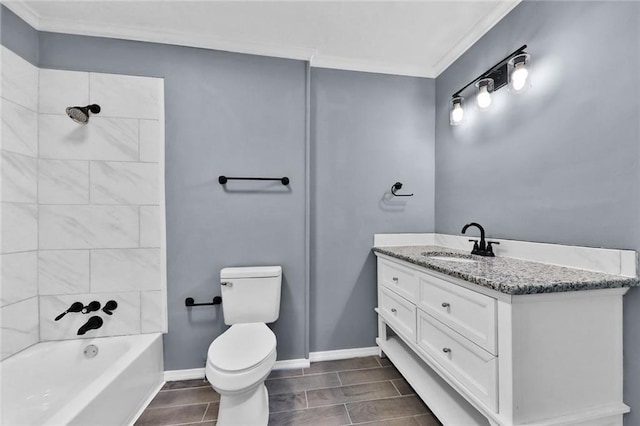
(394, 310)
(446, 350)
(395, 279)
(445, 305)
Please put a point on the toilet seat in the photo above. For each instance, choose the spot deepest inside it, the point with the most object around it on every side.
(241, 357)
(242, 347)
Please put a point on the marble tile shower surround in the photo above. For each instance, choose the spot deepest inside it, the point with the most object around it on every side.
(19, 324)
(82, 206)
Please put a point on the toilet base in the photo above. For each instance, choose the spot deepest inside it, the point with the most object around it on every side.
(246, 408)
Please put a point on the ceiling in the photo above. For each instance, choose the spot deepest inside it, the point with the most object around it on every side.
(417, 38)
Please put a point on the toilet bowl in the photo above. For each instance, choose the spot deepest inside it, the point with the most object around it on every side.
(238, 363)
(241, 358)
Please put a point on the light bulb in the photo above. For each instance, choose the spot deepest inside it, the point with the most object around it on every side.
(519, 77)
(484, 98)
(457, 114)
(519, 72)
(457, 111)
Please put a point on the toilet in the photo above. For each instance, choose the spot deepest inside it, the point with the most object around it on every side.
(241, 358)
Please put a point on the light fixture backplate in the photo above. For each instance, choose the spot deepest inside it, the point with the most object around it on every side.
(500, 76)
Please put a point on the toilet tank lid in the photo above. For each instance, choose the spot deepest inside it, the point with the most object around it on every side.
(251, 272)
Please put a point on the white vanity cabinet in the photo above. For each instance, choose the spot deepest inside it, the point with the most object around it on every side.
(478, 356)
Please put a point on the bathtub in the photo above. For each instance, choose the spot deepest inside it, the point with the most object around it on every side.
(54, 383)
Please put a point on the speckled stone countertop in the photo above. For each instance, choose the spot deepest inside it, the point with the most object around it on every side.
(507, 275)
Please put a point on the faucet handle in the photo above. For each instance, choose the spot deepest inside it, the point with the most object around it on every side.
(475, 246)
(91, 307)
(489, 248)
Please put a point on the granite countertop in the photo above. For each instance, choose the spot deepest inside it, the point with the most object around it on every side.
(507, 275)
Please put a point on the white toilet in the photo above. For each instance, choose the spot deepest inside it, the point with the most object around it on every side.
(241, 358)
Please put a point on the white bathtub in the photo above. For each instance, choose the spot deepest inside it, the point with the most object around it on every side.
(53, 383)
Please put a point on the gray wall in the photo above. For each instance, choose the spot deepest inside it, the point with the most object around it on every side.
(560, 163)
(17, 36)
(225, 114)
(367, 132)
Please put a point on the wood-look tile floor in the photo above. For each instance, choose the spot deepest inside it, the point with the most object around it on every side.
(363, 391)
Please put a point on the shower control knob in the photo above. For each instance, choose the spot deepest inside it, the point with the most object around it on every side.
(394, 310)
(91, 307)
(445, 304)
(446, 350)
(109, 307)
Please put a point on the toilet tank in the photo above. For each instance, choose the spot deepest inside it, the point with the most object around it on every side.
(251, 294)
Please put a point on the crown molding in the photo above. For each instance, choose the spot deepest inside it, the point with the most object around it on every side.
(365, 65)
(315, 58)
(476, 34)
(177, 38)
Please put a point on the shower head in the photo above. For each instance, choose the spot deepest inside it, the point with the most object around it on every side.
(81, 114)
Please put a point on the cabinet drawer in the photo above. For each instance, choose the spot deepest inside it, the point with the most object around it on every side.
(398, 278)
(469, 313)
(399, 313)
(475, 368)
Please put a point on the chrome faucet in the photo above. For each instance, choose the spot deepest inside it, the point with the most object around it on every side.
(483, 248)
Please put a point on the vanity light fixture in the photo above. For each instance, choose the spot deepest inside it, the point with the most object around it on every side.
(512, 70)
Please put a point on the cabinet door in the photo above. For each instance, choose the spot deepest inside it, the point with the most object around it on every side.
(469, 313)
(473, 367)
(399, 278)
(399, 313)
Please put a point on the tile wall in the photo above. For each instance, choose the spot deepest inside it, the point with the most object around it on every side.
(82, 206)
(19, 208)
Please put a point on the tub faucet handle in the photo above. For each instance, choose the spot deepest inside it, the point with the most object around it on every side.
(91, 307)
(75, 307)
(109, 307)
(93, 323)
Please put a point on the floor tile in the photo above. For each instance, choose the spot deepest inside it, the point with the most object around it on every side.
(403, 387)
(402, 421)
(369, 375)
(172, 415)
(384, 362)
(341, 365)
(343, 394)
(184, 396)
(287, 402)
(212, 423)
(389, 408)
(335, 415)
(302, 383)
(182, 384)
(428, 420)
(276, 374)
(212, 411)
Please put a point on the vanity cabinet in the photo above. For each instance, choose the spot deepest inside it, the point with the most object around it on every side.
(478, 356)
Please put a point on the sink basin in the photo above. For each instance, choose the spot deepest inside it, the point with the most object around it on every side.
(449, 257)
(452, 259)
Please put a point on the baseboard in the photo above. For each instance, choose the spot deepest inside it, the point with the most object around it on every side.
(286, 364)
(343, 354)
(189, 374)
(290, 364)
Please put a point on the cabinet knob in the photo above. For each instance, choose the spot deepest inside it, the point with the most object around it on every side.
(394, 310)
(395, 279)
(446, 350)
(445, 304)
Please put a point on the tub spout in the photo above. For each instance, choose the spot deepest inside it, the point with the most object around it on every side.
(93, 323)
